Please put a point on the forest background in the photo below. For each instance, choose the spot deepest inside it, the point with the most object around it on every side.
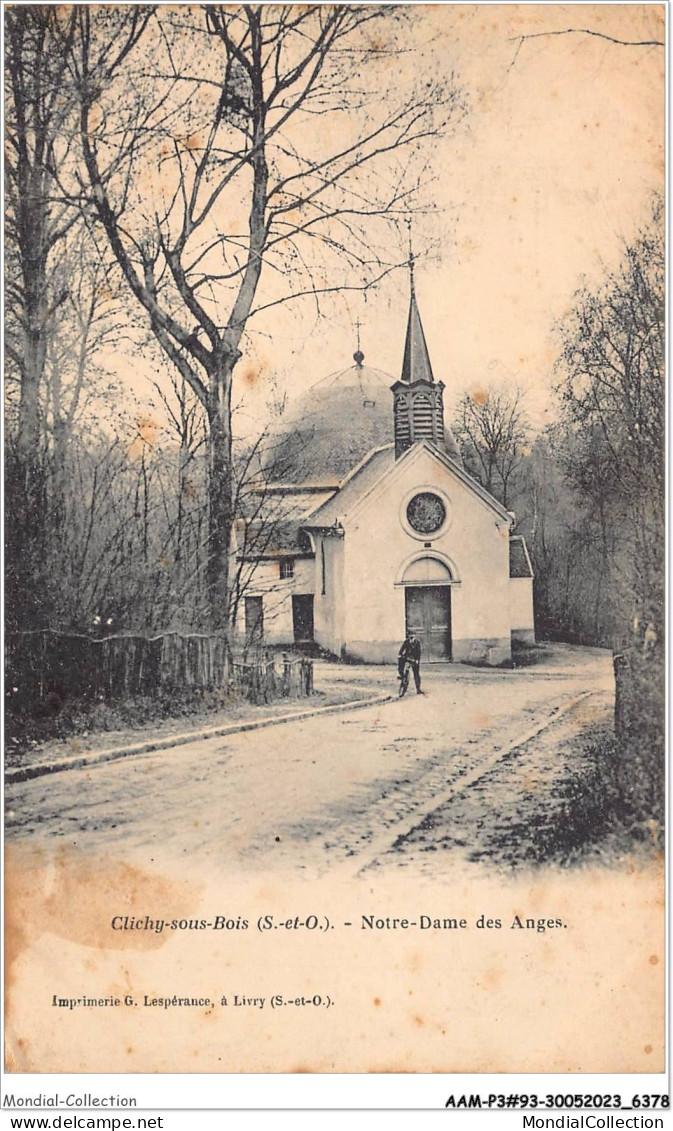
(205, 206)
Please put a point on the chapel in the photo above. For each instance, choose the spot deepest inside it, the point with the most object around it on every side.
(369, 527)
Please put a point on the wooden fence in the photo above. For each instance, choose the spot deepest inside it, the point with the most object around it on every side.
(55, 666)
(261, 682)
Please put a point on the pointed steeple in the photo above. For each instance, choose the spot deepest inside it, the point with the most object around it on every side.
(416, 364)
(418, 406)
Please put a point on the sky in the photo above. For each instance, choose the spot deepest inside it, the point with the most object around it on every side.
(551, 171)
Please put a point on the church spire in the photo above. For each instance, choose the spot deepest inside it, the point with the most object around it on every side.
(418, 407)
(416, 364)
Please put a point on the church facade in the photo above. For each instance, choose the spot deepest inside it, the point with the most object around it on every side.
(375, 529)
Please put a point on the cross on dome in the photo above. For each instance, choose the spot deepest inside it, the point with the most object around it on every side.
(358, 356)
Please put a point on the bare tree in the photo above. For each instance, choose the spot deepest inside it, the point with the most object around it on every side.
(614, 413)
(57, 293)
(35, 226)
(39, 105)
(493, 431)
(614, 409)
(279, 140)
(581, 31)
(187, 511)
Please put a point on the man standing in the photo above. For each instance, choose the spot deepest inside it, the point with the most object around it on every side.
(410, 653)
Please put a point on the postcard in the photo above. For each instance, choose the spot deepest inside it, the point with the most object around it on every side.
(334, 587)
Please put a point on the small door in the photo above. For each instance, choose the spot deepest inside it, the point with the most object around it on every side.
(254, 619)
(428, 616)
(302, 617)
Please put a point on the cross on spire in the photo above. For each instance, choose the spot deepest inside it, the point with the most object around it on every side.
(412, 257)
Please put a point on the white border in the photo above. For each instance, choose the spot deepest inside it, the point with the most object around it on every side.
(389, 1096)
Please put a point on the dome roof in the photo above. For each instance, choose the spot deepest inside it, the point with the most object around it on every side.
(331, 427)
(360, 376)
(328, 430)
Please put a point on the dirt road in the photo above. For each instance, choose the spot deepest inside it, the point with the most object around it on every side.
(328, 793)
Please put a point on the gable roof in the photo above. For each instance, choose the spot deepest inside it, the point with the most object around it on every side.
(360, 481)
(465, 478)
(375, 467)
(261, 541)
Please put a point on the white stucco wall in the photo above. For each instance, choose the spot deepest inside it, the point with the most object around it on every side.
(377, 545)
(362, 611)
(277, 598)
(328, 607)
(521, 608)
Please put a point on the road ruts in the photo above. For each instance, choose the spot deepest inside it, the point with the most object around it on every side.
(514, 811)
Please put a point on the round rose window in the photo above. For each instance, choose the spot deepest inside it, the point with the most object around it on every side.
(426, 513)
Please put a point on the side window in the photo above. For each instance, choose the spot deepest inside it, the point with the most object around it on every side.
(286, 569)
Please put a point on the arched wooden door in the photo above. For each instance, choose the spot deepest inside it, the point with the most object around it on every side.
(428, 616)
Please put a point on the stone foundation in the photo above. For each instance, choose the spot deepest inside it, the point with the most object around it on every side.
(371, 651)
(492, 652)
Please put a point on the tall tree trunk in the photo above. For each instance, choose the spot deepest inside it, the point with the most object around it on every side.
(220, 495)
(25, 483)
(33, 254)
